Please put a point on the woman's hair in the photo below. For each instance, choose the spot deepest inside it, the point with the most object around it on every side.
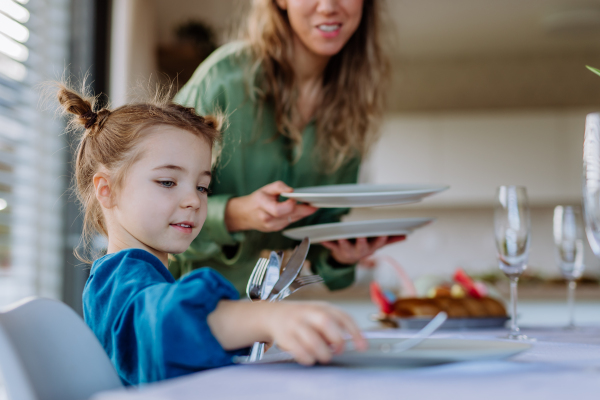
(111, 139)
(353, 82)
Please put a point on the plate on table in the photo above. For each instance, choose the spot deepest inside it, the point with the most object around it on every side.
(431, 351)
(355, 229)
(363, 195)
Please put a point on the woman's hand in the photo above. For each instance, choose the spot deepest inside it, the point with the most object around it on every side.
(261, 211)
(345, 252)
(312, 332)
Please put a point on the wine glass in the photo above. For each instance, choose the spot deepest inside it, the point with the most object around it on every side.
(569, 251)
(591, 181)
(512, 227)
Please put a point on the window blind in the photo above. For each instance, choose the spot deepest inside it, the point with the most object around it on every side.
(33, 49)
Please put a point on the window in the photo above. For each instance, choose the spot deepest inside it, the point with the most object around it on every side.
(33, 49)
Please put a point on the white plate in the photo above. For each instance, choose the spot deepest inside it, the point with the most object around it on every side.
(355, 229)
(431, 351)
(363, 195)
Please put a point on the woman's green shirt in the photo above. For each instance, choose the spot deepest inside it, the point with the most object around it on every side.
(252, 156)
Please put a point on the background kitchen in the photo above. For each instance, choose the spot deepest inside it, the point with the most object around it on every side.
(485, 93)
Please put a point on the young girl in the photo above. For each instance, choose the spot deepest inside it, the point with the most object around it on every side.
(142, 173)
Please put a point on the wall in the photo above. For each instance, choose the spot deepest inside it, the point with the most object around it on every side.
(217, 14)
(133, 70)
(477, 151)
(474, 152)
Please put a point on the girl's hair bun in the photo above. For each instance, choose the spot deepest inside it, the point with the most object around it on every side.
(91, 118)
(81, 107)
(213, 122)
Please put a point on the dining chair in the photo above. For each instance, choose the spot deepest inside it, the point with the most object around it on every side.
(47, 352)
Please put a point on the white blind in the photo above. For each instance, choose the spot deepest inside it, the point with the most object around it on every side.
(33, 49)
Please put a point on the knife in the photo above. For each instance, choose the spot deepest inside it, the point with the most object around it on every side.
(271, 276)
(292, 268)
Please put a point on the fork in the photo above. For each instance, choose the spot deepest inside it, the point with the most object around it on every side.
(254, 292)
(298, 283)
(255, 282)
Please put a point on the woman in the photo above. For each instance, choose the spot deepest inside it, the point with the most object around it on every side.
(302, 93)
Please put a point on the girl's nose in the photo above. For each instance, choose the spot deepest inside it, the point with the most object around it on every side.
(191, 200)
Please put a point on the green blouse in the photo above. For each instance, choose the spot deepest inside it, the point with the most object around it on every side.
(253, 156)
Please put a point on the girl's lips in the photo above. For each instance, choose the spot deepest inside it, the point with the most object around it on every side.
(184, 228)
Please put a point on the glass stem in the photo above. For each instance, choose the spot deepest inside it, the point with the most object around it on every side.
(571, 302)
(514, 329)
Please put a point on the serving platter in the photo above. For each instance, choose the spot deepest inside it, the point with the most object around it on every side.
(356, 229)
(416, 323)
(454, 323)
(363, 195)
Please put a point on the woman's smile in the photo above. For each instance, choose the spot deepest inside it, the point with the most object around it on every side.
(329, 30)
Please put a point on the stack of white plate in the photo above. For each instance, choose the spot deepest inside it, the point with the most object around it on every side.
(360, 195)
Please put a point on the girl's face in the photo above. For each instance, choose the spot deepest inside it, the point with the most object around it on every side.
(323, 26)
(161, 204)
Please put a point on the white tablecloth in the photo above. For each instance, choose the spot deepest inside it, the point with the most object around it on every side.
(560, 365)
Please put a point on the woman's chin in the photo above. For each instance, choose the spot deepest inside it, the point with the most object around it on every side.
(327, 50)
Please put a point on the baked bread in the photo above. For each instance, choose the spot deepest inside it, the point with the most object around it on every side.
(494, 307)
(414, 307)
(455, 307)
(475, 307)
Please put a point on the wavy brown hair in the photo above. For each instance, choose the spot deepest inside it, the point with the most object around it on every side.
(111, 140)
(352, 94)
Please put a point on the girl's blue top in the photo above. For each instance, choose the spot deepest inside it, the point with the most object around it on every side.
(152, 326)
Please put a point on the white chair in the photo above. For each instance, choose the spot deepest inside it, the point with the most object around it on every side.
(47, 352)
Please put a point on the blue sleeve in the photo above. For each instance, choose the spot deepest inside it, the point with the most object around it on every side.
(152, 326)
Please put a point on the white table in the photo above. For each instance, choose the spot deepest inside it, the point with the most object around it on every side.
(560, 365)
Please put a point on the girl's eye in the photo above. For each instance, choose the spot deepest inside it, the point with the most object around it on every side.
(203, 190)
(166, 184)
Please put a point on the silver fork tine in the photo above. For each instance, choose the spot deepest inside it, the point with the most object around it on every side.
(251, 279)
(258, 279)
(299, 283)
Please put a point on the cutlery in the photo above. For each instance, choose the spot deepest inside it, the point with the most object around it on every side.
(423, 334)
(405, 345)
(298, 283)
(255, 282)
(271, 276)
(254, 290)
(292, 269)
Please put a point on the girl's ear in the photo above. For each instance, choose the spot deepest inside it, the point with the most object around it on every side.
(103, 190)
(281, 4)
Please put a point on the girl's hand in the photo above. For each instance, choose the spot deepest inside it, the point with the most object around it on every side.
(345, 252)
(261, 211)
(312, 332)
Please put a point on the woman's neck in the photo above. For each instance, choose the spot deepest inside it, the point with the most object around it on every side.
(308, 66)
(308, 72)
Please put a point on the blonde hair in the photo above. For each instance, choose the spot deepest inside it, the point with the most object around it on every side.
(110, 140)
(353, 82)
